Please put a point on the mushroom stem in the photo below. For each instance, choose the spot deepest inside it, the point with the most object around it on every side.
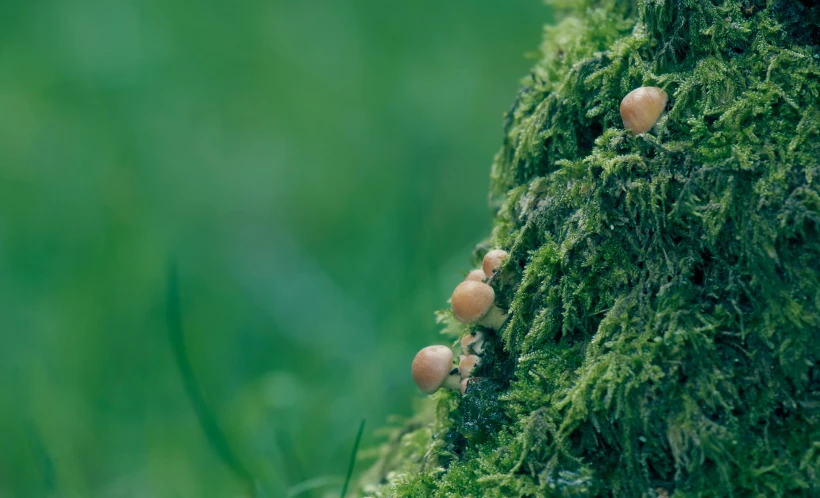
(453, 382)
(494, 318)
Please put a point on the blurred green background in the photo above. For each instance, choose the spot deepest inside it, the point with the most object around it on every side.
(318, 169)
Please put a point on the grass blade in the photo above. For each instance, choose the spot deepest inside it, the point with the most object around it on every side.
(353, 458)
(213, 433)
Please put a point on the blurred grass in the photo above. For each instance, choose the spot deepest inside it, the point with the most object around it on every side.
(317, 168)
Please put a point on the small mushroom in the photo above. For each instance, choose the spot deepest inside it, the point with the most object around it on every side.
(642, 107)
(467, 363)
(465, 384)
(493, 260)
(473, 302)
(476, 276)
(433, 368)
(473, 343)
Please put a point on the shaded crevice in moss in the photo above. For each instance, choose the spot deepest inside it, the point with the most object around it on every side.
(663, 289)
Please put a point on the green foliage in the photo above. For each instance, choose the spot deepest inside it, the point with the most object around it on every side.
(664, 288)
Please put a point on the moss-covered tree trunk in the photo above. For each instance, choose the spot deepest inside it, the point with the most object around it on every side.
(663, 288)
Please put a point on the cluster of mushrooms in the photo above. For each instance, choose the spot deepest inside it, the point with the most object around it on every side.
(473, 300)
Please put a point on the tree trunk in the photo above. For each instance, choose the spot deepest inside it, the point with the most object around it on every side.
(663, 288)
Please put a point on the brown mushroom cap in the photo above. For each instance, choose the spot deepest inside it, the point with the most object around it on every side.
(476, 275)
(642, 107)
(493, 260)
(473, 343)
(431, 367)
(471, 300)
(467, 363)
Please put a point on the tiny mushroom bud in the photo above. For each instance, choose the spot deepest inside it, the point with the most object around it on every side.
(433, 368)
(474, 302)
(467, 363)
(642, 107)
(476, 275)
(493, 261)
(473, 343)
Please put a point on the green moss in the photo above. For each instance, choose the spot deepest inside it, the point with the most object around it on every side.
(664, 289)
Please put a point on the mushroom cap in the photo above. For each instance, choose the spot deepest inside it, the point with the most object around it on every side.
(467, 363)
(471, 300)
(642, 107)
(431, 367)
(471, 340)
(492, 261)
(476, 275)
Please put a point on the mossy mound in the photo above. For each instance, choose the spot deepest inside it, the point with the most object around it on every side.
(664, 288)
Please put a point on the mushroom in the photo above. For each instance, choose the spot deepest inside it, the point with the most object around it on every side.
(433, 368)
(476, 276)
(467, 363)
(493, 261)
(473, 302)
(465, 383)
(473, 343)
(642, 107)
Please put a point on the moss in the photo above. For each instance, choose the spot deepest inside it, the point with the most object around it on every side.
(664, 289)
